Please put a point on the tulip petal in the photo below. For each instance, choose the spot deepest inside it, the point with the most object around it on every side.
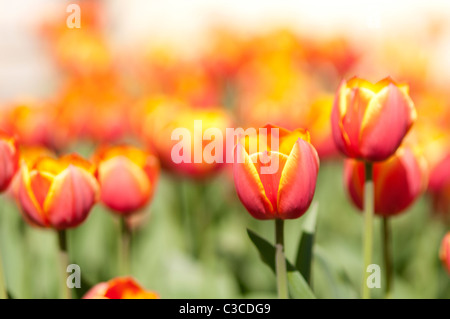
(125, 187)
(30, 208)
(386, 121)
(70, 198)
(298, 181)
(249, 188)
(269, 166)
(354, 177)
(348, 111)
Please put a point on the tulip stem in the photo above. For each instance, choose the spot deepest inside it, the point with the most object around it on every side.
(280, 260)
(387, 252)
(125, 241)
(368, 227)
(64, 262)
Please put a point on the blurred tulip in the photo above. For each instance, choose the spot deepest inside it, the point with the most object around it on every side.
(285, 193)
(119, 288)
(439, 186)
(444, 252)
(127, 177)
(398, 181)
(9, 160)
(169, 117)
(57, 193)
(369, 121)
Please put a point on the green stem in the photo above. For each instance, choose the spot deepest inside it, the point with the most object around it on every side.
(124, 254)
(387, 252)
(64, 262)
(280, 260)
(368, 227)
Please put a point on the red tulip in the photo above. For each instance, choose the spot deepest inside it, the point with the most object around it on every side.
(285, 192)
(57, 193)
(127, 177)
(398, 182)
(369, 121)
(439, 186)
(9, 160)
(120, 288)
(444, 252)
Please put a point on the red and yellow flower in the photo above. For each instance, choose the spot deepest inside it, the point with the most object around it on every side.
(57, 193)
(120, 288)
(398, 181)
(284, 191)
(369, 121)
(127, 176)
(9, 160)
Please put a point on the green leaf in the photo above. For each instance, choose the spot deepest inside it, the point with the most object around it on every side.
(305, 247)
(298, 287)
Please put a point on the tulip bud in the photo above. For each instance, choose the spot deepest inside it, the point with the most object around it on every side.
(57, 193)
(444, 252)
(398, 182)
(9, 160)
(120, 288)
(369, 121)
(127, 177)
(285, 190)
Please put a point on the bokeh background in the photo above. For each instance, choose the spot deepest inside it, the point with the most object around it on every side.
(133, 62)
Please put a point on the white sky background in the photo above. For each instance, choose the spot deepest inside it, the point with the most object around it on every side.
(25, 68)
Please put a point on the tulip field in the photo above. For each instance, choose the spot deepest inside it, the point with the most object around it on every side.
(258, 163)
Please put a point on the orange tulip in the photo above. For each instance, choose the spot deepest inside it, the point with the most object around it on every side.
(167, 117)
(398, 182)
(444, 252)
(369, 121)
(127, 177)
(57, 193)
(120, 288)
(285, 192)
(9, 160)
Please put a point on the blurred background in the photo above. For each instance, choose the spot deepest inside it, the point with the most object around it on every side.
(136, 69)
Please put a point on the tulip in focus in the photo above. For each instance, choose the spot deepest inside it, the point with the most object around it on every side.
(287, 192)
(127, 177)
(57, 193)
(398, 182)
(444, 252)
(120, 288)
(369, 121)
(9, 160)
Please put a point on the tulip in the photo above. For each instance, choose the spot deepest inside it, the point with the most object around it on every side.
(9, 160)
(127, 177)
(439, 186)
(286, 193)
(57, 193)
(276, 181)
(120, 288)
(444, 252)
(398, 182)
(369, 121)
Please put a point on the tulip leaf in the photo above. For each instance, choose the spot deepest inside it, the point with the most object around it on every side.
(298, 287)
(304, 258)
